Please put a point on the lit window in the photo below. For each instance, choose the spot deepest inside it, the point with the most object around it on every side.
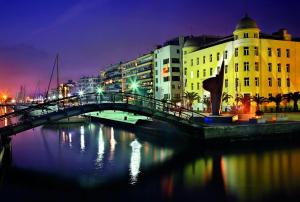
(246, 81)
(192, 74)
(270, 82)
(246, 50)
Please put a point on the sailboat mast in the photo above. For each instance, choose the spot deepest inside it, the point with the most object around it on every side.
(57, 73)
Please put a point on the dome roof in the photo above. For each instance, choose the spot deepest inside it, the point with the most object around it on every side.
(246, 22)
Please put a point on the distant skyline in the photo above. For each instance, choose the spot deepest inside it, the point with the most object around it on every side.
(90, 35)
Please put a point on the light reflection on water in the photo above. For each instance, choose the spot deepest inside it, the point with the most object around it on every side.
(86, 152)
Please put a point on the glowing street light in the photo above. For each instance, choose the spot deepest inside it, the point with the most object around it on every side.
(80, 93)
(69, 95)
(134, 85)
(53, 97)
(99, 90)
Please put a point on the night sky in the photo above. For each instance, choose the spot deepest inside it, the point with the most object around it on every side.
(91, 34)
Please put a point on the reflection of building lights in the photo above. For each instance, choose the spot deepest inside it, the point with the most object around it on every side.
(135, 160)
(5, 121)
(100, 149)
(80, 93)
(112, 143)
(53, 97)
(60, 96)
(69, 95)
(70, 139)
(82, 143)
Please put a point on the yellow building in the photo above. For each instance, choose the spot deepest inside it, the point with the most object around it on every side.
(255, 63)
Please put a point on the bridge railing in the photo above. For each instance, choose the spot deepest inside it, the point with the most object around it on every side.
(95, 98)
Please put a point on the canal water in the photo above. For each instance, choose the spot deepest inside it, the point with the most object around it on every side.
(93, 161)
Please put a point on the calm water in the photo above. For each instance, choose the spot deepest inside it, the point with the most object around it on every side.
(96, 161)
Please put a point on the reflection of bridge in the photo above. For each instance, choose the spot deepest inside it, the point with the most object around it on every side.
(77, 105)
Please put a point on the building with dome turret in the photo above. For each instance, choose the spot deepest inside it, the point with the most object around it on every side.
(255, 63)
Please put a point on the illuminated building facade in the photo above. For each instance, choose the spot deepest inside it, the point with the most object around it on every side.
(88, 84)
(168, 70)
(139, 72)
(255, 63)
(111, 78)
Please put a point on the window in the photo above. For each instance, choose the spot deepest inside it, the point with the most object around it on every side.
(192, 74)
(236, 52)
(218, 56)
(155, 55)
(226, 83)
(236, 67)
(270, 52)
(155, 64)
(256, 67)
(166, 96)
(203, 59)
(236, 37)
(270, 67)
(185, 70)
(192, 86)
(279, 67)
(246, 35)
(270, 94)
(256, 81)
(210, 58)
(156, 88)
(175, 69)
(204, 72)
(177, 51)
(166, 78)
(256, 51)
(287, 53)
(175, 60)
(156, 80)
(210, 71)
(246, 66)
(173, 86)
(246, 81)
(198, 86)
(156, 72)
(166, 61)
(288, 82)
(175, 78)
(226, 53)
(226, 69)
(278, 52)
(198, 72)
(246, 50)
(236, 82)
(255, 35)
(192, 62)
(198, 61)
(279, 82)
(270, 82)
(288, 68)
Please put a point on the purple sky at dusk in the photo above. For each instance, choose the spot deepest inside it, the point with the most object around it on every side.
(91, 34)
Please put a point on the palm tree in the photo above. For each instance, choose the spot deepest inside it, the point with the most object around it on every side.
(258, 100)
(242, 99)
(226, 97)
(206, 101)
(191, 97)
(293, 96)
(277, 99)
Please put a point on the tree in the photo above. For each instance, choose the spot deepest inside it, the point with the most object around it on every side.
(244, 100)
(293, 96)
(258, 100)
(226, 97)
(277, 99)
(206, 101)
(191, 97)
